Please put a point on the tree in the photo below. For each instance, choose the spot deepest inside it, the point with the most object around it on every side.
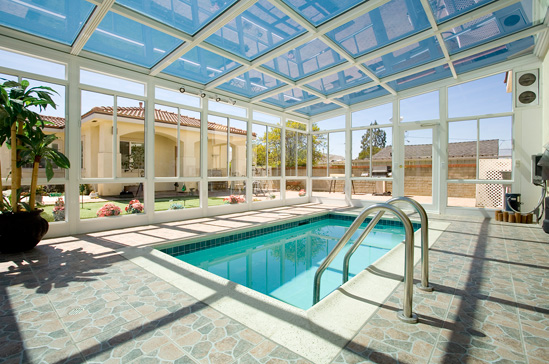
(372, 142)
(296, 147)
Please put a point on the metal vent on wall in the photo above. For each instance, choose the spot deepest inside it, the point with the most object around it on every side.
(527, 88)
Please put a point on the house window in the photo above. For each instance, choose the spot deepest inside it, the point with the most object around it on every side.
(132, 156)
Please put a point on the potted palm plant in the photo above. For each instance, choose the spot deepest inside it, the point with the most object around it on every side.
(22, 130)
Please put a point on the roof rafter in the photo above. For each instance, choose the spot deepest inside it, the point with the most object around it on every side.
(91, 25)
(204, 33)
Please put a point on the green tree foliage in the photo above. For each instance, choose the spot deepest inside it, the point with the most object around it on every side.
(372, 142)
(296, 147)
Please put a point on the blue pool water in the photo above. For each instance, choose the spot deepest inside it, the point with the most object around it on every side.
(282, 263)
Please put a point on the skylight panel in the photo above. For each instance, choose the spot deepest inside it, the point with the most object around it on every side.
(405, 58)
(290, 97)
(340, 81)
(388, 23)
(318, 12)
(367, 94)
(60, 21)
(495, 55)
(318, 108)
(492, 26)
(421, 78)
(186, 15)
(259, 29)
(124, 39)
(447, 9)
(201, 66)
(306, 59)
(251, 84)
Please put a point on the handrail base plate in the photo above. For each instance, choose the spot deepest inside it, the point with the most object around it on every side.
(423, 288)
(408, 320)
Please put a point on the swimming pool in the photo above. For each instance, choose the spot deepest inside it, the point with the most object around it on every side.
(280, 261)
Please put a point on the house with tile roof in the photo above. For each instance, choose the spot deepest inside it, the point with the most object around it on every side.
(97, 146)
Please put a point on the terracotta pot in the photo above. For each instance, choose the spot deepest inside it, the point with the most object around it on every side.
(21, 231)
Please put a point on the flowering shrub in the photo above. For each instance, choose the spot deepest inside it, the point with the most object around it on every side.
(176, 206)
(59, 210)
(135, 207)
(108, 209)
(232, 199)
(302, 193)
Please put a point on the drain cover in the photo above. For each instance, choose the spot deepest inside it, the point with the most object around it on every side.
(76, 311)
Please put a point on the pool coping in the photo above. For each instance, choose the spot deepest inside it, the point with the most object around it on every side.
(319, 333)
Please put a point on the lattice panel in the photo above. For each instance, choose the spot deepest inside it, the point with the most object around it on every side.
(492, 195)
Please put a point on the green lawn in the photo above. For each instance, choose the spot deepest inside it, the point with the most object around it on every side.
(89, 209)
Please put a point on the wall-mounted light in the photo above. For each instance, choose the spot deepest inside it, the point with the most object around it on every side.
(218, 99)
(232, 102)
(182, 89)
(203, 94)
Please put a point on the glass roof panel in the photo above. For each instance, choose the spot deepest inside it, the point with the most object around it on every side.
(495, 55)
(367, 94)
(421, 78)
(251, 84)
(405, 58)
(201, 65)
(392, 21)
(289, 98)
(447, 9)
(306, 59)
(186, 15)
(124, 39)
(318, 108)
(257, 30)
(318, 12)
(340, 81)
(59, 21)
(492, 26)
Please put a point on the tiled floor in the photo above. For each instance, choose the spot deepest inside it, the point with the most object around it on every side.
(77, 299)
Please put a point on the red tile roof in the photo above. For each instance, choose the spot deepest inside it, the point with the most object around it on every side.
(487, 148)
(160, 116)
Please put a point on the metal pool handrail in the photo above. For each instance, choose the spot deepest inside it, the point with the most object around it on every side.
(406, 314)
(424, 285)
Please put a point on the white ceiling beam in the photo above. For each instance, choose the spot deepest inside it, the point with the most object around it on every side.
(93, 22)
(276, 91)
(204, 33)
(442, 44)
(353, 89)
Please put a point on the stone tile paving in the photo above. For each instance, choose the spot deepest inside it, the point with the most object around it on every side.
(62, 304)
(76, 301)
(489, 305)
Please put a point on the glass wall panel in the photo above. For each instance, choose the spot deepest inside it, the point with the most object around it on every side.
(296, 153)
(130, 127)
(329, 155)
(462, 149)
(420, 108)
(226, 192)
(166, 144)
(115, 201)
(189, 143)
(55, 124)
(329, 188)
(418, 165)
(267, 118)
(227, 109)
(96, 135)
(111, 82)
(476, 195)
(487, 95)
(237, 148)
(176, 97)
(296, 188)
(176, 196)
(495, 148)
(266, 150)
(265, 190)
(337, 122)
(39, 66)
(382, 114)
(51, 199)
(372, 153)
(217, 146)
(296, 125)
(371, 190)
